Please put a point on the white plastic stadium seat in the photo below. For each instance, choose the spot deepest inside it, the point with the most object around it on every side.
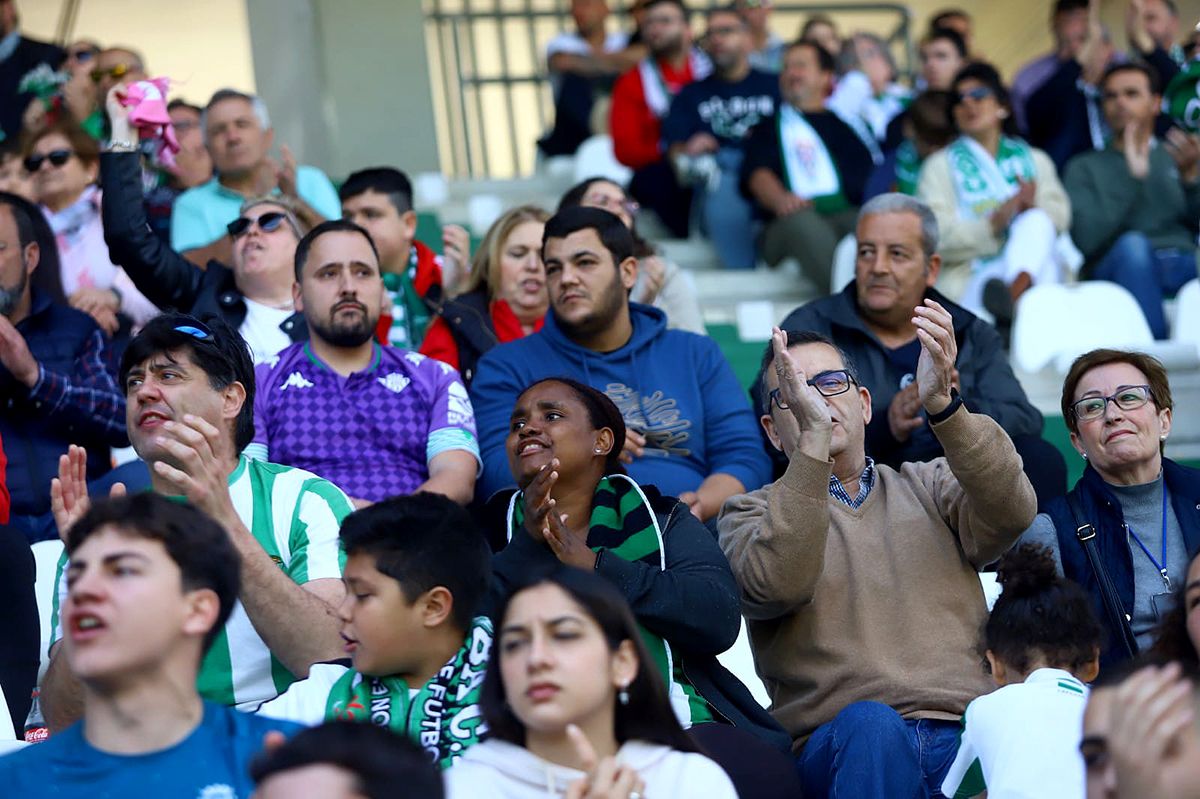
(844, 257)
(595, 159)
(1187, 314)
(45, 557)
(1057, 323)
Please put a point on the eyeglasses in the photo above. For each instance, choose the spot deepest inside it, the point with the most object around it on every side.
(1127, 398)
(827, 384)
(630, 207)
(56, 158)
(119, 71)
(268, 222)
(978, 94)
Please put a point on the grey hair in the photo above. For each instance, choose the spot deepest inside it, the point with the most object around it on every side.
(256, 104)
(279, 201)
(895, 203)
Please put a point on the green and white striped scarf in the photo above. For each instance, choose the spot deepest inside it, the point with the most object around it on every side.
(983, 183)
(624, 524)
(443, 716)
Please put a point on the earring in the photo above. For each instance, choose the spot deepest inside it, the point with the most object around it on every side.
(623, 695)
(596, 450)
(1084, 454)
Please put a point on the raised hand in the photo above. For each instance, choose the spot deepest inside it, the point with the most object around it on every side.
(569, 547)
(805, 402)
(69, 499)
(287, 173)
(1137, 150)
(904, 412)
(15, 355)
(606, 779)
(537, 501)
(1184, 148)
(1150, 712)
(939, 351)
(635, 446)
(198, 474)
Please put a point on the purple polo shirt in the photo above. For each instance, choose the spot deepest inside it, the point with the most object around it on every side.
(372, 433)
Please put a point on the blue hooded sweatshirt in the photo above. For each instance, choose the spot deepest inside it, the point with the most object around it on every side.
(674, 387)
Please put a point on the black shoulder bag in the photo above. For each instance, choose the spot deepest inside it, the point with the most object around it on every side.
(1118, 622)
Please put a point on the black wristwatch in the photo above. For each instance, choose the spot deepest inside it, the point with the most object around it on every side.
(956, 402)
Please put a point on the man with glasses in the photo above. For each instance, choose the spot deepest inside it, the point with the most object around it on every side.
(18, 55)
(706, 130)
(640, 101)
(689, 430)
(189, 390)
(871, 319)
(239, 136)
(254, 295)
(859, 581)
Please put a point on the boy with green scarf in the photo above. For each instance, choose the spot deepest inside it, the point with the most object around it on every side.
(417, 568)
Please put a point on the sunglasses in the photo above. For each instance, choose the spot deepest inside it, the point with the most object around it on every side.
(978, 94)
(56, 158)
(119, 71)
(268, 222)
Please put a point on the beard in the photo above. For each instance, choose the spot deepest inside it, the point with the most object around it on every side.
(346, 333)
(10, 296)
(607, 308)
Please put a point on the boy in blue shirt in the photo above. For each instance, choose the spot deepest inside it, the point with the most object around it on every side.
(417, 570)
(151, 583)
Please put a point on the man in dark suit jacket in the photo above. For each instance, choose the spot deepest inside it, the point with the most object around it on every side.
(18, 55)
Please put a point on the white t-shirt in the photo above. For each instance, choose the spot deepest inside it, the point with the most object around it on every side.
(575, 44)
(1022, 741)
(261, 330)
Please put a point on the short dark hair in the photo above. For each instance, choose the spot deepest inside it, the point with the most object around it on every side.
(178, 103)
(647, 716)
(930, 113)
(328, 226)
(1152, 78)
(1067, 6)
(795, 338)
(220, 351)
(1040, 616)
(938, 20)
(1151, 367)
(825, 59)
(726, 8)
(198, 545)
(32, 226)
(987, 75)
(422, 541)
(677, 3)
(379, 759)
(602, 412)
(813, 21)
(384, 180)
(613, 234)
(947, 34)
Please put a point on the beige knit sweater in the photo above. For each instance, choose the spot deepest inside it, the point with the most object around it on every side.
(880, 603)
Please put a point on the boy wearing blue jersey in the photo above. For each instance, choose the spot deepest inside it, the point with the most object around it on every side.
(151, 584)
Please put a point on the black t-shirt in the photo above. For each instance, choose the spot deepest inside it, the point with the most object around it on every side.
(726, 110)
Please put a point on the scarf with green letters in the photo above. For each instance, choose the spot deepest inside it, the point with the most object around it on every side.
(624, 524)
(1182, 97)
(443, 716)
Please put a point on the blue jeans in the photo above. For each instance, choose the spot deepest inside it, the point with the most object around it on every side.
(728, 216)
(1148, 274)
(868, 751)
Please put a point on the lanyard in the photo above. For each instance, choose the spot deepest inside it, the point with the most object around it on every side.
(1162, 567)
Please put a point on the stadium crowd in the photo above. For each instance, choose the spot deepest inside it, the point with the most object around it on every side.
(426, 518)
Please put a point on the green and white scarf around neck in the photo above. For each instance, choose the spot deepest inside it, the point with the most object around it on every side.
(443, 716)
(983, 183)
(808, 168)
(624, 524)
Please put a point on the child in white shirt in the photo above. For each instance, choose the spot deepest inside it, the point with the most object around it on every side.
(1042, 644)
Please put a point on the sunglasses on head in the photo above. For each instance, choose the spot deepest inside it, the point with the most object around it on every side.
(196, 331)
(119, 71)
(268, 222)
(56, 158)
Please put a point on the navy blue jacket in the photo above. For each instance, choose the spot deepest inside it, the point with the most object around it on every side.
(77, 402)
(1102, 509)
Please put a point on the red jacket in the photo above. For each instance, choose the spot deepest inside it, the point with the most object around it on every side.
(5, 500)
(636, 130)
(440, 344)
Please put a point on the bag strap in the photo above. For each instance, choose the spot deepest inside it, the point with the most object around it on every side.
(1086, 533)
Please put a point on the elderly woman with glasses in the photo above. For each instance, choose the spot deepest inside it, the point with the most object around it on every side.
(660, 282)
(1128, 529)
(999, 203)
(63, 162)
